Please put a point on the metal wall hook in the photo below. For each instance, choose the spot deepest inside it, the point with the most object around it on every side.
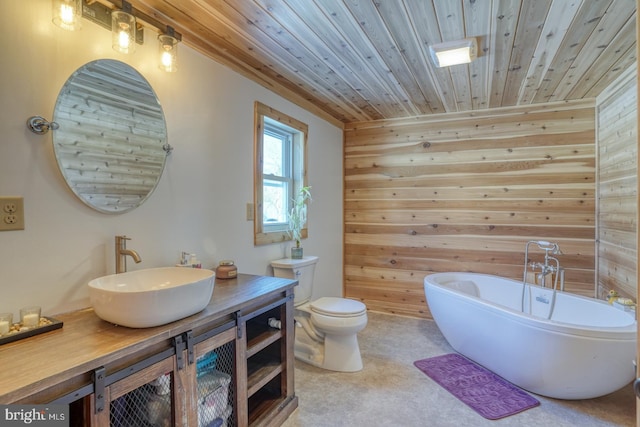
(40, 125)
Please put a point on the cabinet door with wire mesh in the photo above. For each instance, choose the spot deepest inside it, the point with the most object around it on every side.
(144, 398)
(215, 372)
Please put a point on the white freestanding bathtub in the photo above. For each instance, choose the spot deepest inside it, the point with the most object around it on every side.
(585, 350)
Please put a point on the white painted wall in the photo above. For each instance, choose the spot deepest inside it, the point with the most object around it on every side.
(199, 204)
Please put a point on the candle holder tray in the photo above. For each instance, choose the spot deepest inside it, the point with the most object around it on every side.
(55, 324)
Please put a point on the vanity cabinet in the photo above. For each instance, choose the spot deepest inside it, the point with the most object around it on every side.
(226, 364)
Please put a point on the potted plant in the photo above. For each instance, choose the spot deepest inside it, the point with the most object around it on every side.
(298, 219)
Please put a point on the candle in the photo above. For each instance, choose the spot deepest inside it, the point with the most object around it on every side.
(4, 327)
(31, 320)
(30, 317)
(6, 319)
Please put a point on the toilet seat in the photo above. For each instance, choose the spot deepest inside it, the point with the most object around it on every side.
(338, 307)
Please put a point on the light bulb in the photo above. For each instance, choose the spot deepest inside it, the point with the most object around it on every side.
(67, 14)
(166, 60)
(123, 39)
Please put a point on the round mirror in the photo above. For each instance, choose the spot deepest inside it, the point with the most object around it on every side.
(110, 144)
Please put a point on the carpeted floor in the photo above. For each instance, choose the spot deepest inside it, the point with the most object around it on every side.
(390, 391)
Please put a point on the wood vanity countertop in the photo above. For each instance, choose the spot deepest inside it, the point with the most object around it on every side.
(85, 342)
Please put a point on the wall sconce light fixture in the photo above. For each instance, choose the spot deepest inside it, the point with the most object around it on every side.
(455, 52)
(168, 50)
(123, 29)
(67, 14)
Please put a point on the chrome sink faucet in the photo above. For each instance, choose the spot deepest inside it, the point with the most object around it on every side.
(122, 252)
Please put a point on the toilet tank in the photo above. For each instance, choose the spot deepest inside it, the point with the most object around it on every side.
(301, 270)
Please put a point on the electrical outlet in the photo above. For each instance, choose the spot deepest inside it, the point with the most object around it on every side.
(11, 213)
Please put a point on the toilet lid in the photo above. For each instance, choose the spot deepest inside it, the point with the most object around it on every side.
(338, 307)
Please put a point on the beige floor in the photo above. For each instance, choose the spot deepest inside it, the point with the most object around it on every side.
(390, 391)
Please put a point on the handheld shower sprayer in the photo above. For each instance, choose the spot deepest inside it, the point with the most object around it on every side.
(548, 246)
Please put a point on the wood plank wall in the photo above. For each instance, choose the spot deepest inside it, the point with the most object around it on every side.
(465, 192)
(617, 186)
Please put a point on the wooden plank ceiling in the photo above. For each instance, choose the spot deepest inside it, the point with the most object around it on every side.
(362, 60)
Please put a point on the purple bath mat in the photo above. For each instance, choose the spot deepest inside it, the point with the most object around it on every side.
(483, 391)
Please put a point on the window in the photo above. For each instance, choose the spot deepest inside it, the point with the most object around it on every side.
(279, 170)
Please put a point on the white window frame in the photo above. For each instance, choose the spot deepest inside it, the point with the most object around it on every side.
(286, 135)
(267, 118)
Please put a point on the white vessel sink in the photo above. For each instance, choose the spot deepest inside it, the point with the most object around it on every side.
(151, 297)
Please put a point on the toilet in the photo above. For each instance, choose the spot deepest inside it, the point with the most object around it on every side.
(326, 329)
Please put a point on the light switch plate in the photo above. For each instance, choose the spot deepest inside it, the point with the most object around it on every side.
(11, 213)
(249, 211)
